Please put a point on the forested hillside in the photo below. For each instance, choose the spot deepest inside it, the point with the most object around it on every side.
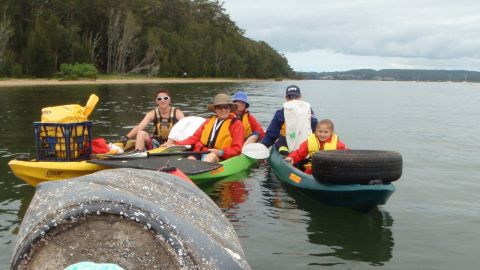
(150, 37)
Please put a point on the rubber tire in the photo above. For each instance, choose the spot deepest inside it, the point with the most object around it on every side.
(356, 166)
(135, 218)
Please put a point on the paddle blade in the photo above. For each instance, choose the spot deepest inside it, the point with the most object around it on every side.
(255, 151)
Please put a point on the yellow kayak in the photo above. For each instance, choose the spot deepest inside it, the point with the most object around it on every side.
(34, 172)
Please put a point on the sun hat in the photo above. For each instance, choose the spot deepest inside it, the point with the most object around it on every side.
(241, 96)
(293, 91)
(222, 99)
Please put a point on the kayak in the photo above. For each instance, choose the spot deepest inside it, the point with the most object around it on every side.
(230, 166)
(198, 171)
(35, 172)
(358, 197)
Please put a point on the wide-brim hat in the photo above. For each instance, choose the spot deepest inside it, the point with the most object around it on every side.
(241, 96)
(222, 99)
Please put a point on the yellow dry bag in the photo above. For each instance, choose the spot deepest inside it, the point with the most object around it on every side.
(72, 113)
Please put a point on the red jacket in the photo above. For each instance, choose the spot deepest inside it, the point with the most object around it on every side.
(302, 152)
(235, 149)
(256, 127)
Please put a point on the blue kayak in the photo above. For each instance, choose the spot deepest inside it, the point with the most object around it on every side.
(358, 197)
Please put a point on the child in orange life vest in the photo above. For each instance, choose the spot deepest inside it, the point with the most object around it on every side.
(324, 138)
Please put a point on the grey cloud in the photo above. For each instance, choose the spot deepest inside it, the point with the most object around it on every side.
(412, 29)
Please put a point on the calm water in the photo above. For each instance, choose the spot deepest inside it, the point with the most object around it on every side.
(432, 221)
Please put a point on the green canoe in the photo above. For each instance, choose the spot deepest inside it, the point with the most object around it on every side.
(230, 166)
(357, 197)
(198, 171)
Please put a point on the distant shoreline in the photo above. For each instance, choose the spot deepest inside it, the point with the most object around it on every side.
(42, 82)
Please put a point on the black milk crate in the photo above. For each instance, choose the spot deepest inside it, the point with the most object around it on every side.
(63, 142)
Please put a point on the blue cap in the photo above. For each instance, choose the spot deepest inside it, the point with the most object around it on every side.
(241, 96)
(293, 91)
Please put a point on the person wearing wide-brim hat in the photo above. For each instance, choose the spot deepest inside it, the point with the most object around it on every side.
(221, 134)
(276, 131)
(253, 131)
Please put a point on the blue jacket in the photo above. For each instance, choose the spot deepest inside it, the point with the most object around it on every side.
(273, 130)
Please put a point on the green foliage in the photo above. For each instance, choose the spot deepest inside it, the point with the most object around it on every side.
(77, 71)
(6, 64)
(38, 57)
(149, 37)
(17, 71)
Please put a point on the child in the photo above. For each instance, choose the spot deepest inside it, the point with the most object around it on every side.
(324, 138)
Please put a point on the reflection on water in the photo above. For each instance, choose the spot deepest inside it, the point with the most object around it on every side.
(350, 235)
(229, 192)
(339, 236)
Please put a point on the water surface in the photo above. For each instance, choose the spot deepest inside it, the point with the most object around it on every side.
(432, 221)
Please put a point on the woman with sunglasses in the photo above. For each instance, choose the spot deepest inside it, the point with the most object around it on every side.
(221, 134)
(164, 116)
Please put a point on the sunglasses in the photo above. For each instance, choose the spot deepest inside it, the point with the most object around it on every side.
(220, 107)
(163, 98)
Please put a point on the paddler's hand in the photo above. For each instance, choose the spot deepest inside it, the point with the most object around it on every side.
(217, 152)
(289, 160)
(168, 143)
(124, 139)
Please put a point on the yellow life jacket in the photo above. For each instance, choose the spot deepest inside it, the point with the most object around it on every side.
(163, 125)
(283, 130)
(222, 137)
(246, 125)
(314, 144)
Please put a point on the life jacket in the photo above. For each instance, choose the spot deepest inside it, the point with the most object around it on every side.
(283, 130)
(314, 144)
(246, 125)
(221, 138)
(163, 125)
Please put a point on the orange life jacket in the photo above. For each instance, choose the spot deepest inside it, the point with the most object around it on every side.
(246, 125)
(221, 135)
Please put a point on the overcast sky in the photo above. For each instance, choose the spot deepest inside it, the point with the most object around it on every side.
(337, 35)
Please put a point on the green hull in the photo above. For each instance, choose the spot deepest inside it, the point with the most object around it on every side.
(230, 166)
(357, 197)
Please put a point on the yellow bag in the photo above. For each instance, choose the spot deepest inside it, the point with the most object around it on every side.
(59, 132)
(72, 113)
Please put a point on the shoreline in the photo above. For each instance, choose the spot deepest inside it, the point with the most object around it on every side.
(40, 82)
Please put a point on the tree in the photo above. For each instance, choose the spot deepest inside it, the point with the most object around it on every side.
(122, 30)
(6, 31)
(39, 60)
(152, 37)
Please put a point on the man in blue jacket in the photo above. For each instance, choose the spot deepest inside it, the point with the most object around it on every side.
(276, 131)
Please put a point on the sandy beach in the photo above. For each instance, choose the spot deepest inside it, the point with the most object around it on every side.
(33, 82)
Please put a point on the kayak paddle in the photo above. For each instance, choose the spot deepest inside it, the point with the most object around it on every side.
(255, 151)
(184, 153)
